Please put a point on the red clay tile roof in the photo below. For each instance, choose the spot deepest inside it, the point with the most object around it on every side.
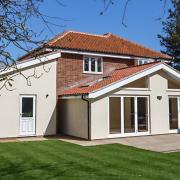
(107, 43)
(115, 76)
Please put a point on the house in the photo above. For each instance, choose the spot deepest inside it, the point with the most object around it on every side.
(92, 87)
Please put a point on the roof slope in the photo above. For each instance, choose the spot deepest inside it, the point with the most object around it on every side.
(117, 75)
(107, 43)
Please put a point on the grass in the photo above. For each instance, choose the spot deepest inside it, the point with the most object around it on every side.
(53, 159)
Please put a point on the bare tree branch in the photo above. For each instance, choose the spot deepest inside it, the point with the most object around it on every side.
(164, 10)
(108, 3)
(124, 13)
(15, 16)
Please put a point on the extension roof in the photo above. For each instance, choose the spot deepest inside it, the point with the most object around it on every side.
(122, 76)
(116, 75)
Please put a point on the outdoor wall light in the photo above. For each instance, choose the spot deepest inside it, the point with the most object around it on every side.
(47, 95)
(159, 97)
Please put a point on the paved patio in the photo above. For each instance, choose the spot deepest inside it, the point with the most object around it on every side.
(159, 143)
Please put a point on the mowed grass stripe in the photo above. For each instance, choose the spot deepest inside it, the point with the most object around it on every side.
(56, 159)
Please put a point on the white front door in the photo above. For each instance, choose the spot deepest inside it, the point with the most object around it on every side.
(27, 115)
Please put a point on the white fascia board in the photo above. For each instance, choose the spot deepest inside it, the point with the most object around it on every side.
(152, 59)
(172, 71)
(32, 61)
(101, 54)
(135, 77)
(71, 97)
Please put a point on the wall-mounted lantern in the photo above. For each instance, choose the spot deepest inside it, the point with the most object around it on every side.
(159, 97)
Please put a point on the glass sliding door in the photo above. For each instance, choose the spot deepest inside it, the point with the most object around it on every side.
(142, 114)
(173, 113)
(115, 114)
(129, 115)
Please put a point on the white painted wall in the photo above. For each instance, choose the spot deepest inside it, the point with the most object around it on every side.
(73, 117)
(45, 107)
(159, 109)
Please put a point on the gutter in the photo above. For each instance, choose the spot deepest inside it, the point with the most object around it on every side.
(88, 116)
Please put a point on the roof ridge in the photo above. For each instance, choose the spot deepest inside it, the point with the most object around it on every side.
(61, 35)
(91, 34)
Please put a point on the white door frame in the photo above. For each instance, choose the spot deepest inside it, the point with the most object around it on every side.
(33, 132)
(178, 108)
(136, 133)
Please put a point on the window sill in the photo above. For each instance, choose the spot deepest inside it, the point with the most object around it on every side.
(86, 72)
(173, 90)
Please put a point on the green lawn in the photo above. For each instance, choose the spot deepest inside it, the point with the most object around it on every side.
(53, 159)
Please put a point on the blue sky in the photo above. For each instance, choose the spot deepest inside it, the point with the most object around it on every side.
(84, 16)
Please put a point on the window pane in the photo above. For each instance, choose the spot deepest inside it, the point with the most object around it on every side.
(27, 107)
(93, 68)
(115, 114)
(173, 113)
(86, 64)
(140, 62)
(99, 65)
(129, 115)
(142, 105)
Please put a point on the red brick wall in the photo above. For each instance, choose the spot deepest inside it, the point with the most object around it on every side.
(70, 69)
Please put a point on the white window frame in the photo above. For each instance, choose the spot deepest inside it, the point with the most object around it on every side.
(145, 61)
(96, 65)
(178, 107)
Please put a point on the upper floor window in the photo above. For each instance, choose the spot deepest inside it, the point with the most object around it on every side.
(93, 65)
(144, 61)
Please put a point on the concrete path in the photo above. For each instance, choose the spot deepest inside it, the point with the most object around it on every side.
(159, 143)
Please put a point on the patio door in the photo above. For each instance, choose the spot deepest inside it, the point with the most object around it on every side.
(27, 115)
(142, 114)
(174, 114)
(129, 115)
(136, 115)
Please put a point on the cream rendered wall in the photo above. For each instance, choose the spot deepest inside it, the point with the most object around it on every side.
(159, 109)
(100, 118)
(74, 117)
(140, 83)
(45, 106)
